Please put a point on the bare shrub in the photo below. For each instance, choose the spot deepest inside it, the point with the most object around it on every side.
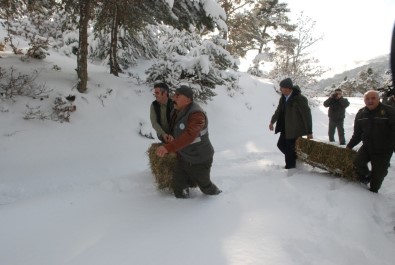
(13, 84)
(61, 111)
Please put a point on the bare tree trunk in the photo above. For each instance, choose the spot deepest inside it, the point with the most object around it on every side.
(82, 57)
(114, 67)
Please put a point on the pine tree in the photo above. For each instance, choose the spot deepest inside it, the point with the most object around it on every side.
(132, 16)
(184, 58)
(115, 17)
(365, 80)
(292, 58)
(82, 56)
(254, 24)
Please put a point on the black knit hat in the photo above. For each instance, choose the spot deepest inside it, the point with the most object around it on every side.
(286, 83)
(186, 91)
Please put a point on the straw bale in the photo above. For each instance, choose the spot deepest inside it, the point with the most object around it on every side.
(334, 159)
(161, 167)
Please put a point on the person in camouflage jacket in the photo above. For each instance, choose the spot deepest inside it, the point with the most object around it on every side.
(374, 125)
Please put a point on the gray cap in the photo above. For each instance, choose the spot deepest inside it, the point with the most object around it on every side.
(186, 91)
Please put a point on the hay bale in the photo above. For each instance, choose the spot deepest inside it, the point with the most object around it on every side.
(334, 159)
(161, 167)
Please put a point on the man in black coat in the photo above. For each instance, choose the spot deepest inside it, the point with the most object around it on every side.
(337, 110)
(374, 125)
(292, 119)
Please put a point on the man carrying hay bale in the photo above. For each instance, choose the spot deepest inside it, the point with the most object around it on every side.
(189, 126)
(374, 125)
(293, 120)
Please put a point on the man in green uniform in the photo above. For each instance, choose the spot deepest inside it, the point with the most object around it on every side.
(374, 125)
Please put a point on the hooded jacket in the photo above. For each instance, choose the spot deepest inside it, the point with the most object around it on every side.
(293, 117)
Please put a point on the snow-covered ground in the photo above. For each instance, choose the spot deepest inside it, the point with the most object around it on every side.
(82, 192)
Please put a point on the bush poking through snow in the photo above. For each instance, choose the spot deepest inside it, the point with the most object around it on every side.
(61, 112)
(38, 48)
(13, 84)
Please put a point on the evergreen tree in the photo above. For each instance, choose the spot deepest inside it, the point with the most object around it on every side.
(186, 58)
(132, 16)
(255, 24)
(125, 17)
(85, 9)
(366, 79)
(292, 58)
(127, 29)
(232, 9)
(30, 20)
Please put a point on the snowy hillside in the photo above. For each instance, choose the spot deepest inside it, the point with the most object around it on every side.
(81, 192)
(379, 65)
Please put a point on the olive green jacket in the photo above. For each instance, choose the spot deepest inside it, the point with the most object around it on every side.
(293, 117)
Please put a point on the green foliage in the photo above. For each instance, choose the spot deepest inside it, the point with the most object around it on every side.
(366, 79)
(254, 24)
(186, 58)
(292, 57)
(120, 32)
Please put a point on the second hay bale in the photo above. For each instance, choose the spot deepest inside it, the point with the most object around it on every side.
(334, 159)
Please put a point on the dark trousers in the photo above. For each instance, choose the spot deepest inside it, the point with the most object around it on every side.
(339, 125)
(379, 164)
(287, 147)
(186, 173)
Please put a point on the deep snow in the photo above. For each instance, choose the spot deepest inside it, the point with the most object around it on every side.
(82, 192)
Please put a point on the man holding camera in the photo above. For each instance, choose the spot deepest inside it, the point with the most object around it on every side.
(337, 111)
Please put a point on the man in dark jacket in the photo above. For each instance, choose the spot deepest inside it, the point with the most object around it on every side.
(293, 119)
(374, 125)
(189, 126)
(337, 109)
(160, 111)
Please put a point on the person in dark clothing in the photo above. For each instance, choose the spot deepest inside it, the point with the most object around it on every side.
(189, 126)
(389, 96)
(160, 111)
(392, 59)
(337, 105)
(293, 120)
(374, 125)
